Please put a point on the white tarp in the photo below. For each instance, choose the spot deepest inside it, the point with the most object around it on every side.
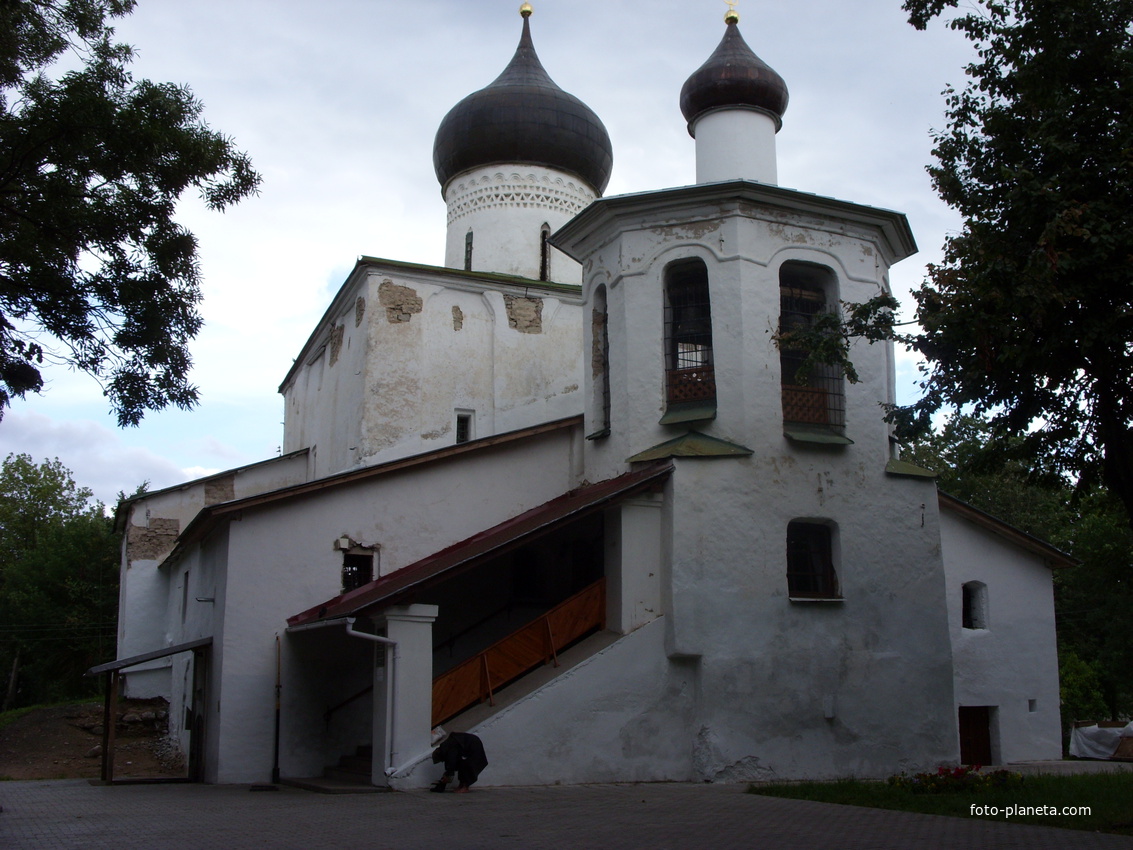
(1097, 742)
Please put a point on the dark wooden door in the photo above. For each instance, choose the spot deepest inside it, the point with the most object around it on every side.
(975, 734)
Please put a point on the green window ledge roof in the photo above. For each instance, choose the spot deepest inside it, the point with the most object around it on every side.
(908, 470)
(692, 444)
(821, 436)
(696, 411)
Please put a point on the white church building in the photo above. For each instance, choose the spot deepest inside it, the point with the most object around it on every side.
(565, 492)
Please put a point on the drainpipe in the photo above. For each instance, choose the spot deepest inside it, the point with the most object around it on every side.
(391, 665)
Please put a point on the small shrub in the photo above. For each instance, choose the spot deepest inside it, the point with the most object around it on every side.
(954, 780)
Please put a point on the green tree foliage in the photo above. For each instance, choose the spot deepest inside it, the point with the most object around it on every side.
(1028, 320)
(94, 270)
(59, 560)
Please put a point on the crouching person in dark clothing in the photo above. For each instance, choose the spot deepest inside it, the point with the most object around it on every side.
(463, 756)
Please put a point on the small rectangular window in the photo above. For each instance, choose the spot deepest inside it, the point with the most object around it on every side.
(463, 427)
(810, 561)
(357, 570)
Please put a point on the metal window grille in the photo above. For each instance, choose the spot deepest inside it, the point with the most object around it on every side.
(463, 427)
(468, 251)
(810, 561)
(690, 375)
(817, 398)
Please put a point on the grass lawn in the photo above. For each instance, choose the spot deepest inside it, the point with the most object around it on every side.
(1108, 796)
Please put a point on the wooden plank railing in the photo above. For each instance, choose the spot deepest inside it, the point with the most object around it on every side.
(476, 679)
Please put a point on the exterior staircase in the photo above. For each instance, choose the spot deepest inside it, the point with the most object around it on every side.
(350, 776)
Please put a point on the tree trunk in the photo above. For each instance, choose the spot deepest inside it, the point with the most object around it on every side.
(12, 680)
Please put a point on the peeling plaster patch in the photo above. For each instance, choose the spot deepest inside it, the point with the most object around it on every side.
(436, 435)
(745, 770)
(570, 388)
(220, 490)
(525, 314)
(781, 233)
(400, 302)
(148, 544)
(359, 310)
(335, 343)
(457, 318)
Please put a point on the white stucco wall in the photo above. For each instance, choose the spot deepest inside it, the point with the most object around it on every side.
(148, 609)
(281, 560)
(415, 347)
(505, 208)
(1012, 664)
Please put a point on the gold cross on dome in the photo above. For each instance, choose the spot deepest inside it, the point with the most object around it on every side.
(732, 15)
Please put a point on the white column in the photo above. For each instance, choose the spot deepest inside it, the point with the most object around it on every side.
(403, 687)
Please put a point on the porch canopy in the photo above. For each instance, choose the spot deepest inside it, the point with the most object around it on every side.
(109, 709)
(400, 585)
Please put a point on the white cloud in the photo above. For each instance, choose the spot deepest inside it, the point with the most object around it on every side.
(96, 455)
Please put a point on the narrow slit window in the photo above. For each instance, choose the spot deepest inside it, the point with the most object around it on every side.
(468, 251)
(545, 252)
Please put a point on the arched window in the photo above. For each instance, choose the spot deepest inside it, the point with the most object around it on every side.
(974, 607)
(815, 397)
(690, 378)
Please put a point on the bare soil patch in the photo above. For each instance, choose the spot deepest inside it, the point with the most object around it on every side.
(64, 742)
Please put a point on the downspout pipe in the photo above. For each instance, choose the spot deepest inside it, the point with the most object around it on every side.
(392, 658)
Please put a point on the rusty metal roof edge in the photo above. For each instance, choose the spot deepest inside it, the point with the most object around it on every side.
(385, 589)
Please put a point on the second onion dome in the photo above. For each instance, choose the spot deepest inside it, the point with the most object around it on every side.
(734, 77)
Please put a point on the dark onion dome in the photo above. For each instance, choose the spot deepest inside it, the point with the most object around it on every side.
(734, 76)
(523, 117)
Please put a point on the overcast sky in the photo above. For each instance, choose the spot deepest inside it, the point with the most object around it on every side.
(337, 103)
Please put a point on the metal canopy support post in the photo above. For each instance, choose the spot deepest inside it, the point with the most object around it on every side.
(109, 726)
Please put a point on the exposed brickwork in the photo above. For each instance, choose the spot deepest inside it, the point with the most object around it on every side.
(457, 318)
(401, 302)
(148, 544)
(525, 314)
(336, 342)
(359, 310)
(220, 490)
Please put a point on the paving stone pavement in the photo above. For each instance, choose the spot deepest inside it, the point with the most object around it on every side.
(72, 814)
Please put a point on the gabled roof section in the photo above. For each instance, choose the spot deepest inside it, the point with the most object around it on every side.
(133, 660)
(1054, 557)
(441, 275)
(208, 519)
(391, 589)
(121, 511)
